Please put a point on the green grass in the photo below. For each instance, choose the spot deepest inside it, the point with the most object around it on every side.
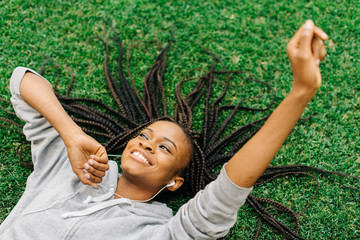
(247, 36)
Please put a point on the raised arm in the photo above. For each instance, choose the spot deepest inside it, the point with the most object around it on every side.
(305, 51)
(81, 148)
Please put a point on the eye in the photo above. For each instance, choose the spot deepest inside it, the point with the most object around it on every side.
(165, 148)
(142, 135)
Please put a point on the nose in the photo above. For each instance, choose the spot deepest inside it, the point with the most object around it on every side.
(146, 145)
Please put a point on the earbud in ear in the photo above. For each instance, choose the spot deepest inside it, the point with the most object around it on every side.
(170, 184)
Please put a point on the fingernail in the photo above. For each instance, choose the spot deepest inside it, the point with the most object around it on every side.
(92, 156)
(91, 162)
(317, 61)
(86, 166)
(87, 176)
(308, 24)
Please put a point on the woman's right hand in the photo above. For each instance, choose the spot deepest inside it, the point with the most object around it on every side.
(85, 153)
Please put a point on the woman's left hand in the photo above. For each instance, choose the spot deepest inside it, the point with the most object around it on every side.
(305, 50)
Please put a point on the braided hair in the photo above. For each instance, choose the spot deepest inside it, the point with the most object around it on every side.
(211, 146)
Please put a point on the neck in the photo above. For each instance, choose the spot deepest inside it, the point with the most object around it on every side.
(126, 189)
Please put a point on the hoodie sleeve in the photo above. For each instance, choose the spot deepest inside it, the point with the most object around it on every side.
(47, 147)
(211, 213)
(35, 123)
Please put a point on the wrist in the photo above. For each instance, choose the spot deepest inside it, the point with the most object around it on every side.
(70, 132)
(302, 94)
(299, 99)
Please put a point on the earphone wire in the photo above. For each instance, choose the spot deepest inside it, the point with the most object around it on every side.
(113, 155)
(142, 201)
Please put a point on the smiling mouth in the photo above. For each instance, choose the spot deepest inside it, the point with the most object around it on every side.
(141, 157)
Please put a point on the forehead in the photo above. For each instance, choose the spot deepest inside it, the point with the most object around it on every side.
(169, 130)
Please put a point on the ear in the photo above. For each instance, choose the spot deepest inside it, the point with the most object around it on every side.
(178, 182)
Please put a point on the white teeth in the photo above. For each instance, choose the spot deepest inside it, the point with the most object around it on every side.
(141, 157)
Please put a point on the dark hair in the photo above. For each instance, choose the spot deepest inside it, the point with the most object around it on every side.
(214, 144)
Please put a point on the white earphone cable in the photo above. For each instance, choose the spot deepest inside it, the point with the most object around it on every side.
(147, 200)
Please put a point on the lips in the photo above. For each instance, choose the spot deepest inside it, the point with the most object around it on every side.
(141, 157)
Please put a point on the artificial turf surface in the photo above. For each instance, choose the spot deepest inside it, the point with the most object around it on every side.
(247, 36)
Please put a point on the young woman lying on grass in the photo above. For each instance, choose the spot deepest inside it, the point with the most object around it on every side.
(98, 203)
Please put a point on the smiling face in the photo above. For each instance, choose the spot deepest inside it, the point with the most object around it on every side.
(155, 157)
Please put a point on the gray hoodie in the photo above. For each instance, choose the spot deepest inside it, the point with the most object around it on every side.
(56, 205)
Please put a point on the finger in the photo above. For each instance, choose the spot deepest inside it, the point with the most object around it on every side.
(320, 34)
(318, 49)
(295, 39)
(92, 178)
(98, 166)
(322, 53)
(101, 152)
(88, 182)
(94, 171)
(317, 31)
(100, 159)
(315, 47)
(294, 42)
(306, 38)
(82, 176)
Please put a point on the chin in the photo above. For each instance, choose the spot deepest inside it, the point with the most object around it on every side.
(133, 168)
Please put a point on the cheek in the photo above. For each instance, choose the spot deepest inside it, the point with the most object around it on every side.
(184, 157)
(172, 166)
(130, 144)
(126, 152)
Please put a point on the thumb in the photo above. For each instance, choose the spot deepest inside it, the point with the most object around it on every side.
(102, 154)
(306, 37)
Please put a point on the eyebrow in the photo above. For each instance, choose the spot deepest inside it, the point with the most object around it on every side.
(167, 139)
